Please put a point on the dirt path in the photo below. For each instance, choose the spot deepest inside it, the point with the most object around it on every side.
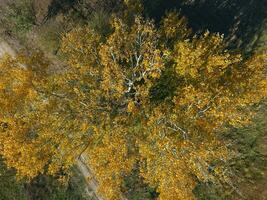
(5, 48)
(89, 177)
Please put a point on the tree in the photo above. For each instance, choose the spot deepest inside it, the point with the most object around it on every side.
(151, 98)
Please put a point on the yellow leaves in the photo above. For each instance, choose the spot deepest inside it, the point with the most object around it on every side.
(110, 161)
(81, 47)
(20, 152)
(53, 168)
(133, 7)
(263, 85)
(84, 126)
(19, 76)
(129, 57)
(131, 107)
(174, 26)
(169, 163)
(102, 105)
(32, 94)
(203, 57)
(188, 61)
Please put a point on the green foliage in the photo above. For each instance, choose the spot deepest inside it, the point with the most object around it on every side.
(86, 7)
(18, 16)
(10, 188)
(136, 189)
(248, 167)
(250, 164)
(49, 34)
(208, 191)
(100, 22)
(40, 188)
(48, 188)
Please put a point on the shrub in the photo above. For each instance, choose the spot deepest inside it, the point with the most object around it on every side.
(18, 16)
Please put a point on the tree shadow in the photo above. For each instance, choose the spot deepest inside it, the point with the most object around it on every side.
(59, 6)
(240, 21)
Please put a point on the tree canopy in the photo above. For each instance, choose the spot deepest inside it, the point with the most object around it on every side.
(146, 97)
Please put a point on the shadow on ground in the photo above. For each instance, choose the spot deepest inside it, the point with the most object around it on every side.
(240, 21)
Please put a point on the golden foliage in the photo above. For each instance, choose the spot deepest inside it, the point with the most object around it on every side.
(175, 27)
(102, 106)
